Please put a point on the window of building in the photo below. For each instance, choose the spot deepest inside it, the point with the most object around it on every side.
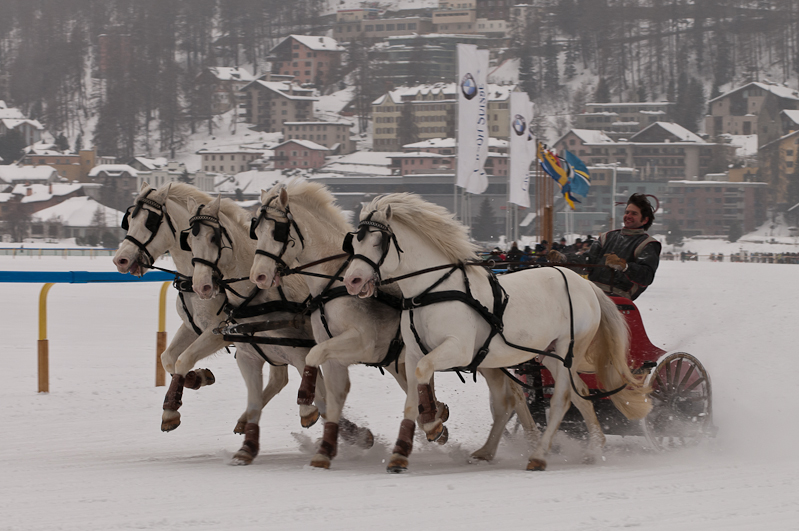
(379, 27)
(307, 63)
(389, 27)
(369, 27)
(400, 27)
(411, 25)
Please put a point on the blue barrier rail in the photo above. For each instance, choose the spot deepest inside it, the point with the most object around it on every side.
(51, 278)
(80, 277)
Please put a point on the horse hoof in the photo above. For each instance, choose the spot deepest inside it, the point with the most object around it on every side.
(397, 465)
(444, 416)
(170, 420)
(367, 439)
(239, 429)
(536, 464)
(320, 461)
(444, 437)
(242, 457)
(436, 432)
(309, 420)
(478, 457)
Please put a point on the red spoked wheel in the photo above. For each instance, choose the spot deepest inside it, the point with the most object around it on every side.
(682, 410)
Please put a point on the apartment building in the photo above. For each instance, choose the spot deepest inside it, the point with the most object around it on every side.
(268, 104)
(296, 153)
(663, 151)
(310, 59)
(432, 110)
(753, 109)
(367, 23)
(622, 120)
(223, 85)
(333, 135)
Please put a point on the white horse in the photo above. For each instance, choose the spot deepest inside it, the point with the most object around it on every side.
(402, 234)
(152, 226)
(300, 224)
(222, 249)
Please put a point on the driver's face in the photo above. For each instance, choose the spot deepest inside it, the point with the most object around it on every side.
(633, 218)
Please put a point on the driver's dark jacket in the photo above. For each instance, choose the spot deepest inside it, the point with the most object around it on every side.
(641, 251)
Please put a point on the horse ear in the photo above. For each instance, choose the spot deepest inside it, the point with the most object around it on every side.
(388, 213)
(213, 207)
(283, 197)
(161, 194)
(144, 186)
(191, 204)
(264, 196)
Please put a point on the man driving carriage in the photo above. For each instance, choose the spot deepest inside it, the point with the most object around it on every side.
(630, 254)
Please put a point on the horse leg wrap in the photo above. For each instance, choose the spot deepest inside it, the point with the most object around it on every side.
(199, 378)
(329, 442)
(404, 443)
(307, 391)
(174, 395)
(251, 436)
(427, 406)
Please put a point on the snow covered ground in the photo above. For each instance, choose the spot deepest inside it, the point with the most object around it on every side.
(90, 454)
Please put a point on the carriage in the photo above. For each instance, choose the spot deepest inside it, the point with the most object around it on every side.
(682, 411)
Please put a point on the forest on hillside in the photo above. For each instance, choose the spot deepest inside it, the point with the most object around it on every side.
(145, 98)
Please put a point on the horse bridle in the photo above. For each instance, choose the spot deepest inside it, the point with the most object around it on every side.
(153, 222)
(281, 233)
(219, 232)
(387, 236)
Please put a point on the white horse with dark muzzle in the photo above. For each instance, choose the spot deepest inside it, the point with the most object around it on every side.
(299, 225)
(459, 316)
(222, 250)
(152, 226)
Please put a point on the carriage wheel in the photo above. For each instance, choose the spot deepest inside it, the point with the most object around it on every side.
(682, 413)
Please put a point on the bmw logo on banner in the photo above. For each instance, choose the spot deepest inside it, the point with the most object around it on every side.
(519, 124)
(468, 87)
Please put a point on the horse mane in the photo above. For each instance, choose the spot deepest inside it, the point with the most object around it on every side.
(317, 199)
(433, 222)
(181, 192)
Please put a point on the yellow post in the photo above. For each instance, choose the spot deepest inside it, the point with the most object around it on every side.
(160, 338)
(43, 348)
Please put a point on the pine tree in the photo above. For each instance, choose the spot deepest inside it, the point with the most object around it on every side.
(11, 147)
(78, 143)
(551, 75)
(527, 76)
(62, 142)
(484, 227)
(602, 92)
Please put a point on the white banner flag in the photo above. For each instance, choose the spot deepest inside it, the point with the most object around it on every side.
(472, 118)
(522, 148)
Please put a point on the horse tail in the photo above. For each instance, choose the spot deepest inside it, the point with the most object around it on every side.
(609, 352)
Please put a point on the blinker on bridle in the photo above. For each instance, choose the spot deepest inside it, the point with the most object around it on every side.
(387, 236)
(195, 222)
(152, 223)
(281, 233)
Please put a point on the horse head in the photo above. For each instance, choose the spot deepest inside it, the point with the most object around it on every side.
(370, 247)
(146, 238)
(207, 240)
(279, 238)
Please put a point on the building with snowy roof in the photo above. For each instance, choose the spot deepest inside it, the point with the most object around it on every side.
(221, 86)
(433, 109)
(119, 184)
(662, 151)
(753, 108)
(82, 218)
(269, 104)
(310, 59)
(12, 174)
(333, 135)
(297, 153)
(70, 166)
(622, 120)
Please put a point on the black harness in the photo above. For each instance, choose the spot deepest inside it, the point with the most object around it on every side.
(152, 224)
(219, 234)
(494, 318)
(281, 234)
